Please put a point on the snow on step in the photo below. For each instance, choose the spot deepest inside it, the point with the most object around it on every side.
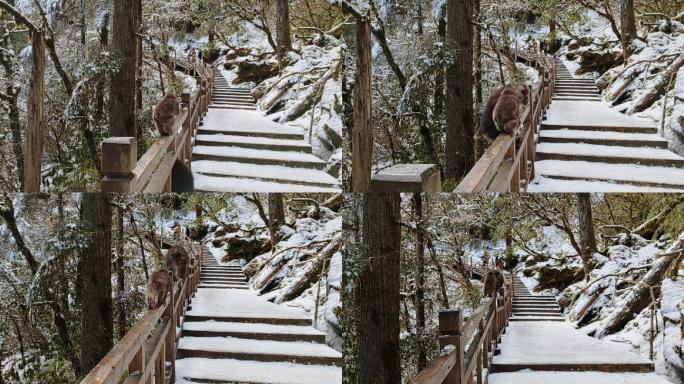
(602, 137)
(256, 328)
(537, 345)
(236, 140)
(645, 176)
(240, 347)
(610, 153)
(544, 377)
(230, 370)
(262, 156)
(265, 172)
(250, 123)
(583, 113)
(545, 184)
(240, 304)
(232, 184)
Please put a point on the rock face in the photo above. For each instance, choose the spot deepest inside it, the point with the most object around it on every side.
(600, 60)
(558, 277)
(242, 248)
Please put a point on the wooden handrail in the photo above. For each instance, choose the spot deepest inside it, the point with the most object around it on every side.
(149, 348)
(506, 167)
(466, 346)
(123, 172)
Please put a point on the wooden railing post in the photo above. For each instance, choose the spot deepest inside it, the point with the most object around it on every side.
(450, 334)
(407, 178)
(118, 161)
(170, 338)
(362, 134)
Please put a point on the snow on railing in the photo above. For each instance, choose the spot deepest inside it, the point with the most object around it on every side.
(147, 352)
(466, 345)
(506, 167)
(123, 172)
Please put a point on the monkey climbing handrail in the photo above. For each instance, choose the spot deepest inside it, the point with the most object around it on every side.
(148, 350)
(504, 167)
(467, 346)
(123, 172)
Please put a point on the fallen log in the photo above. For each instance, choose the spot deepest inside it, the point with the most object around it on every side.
(638, 296)
(312, 271)
(311, 97)
(659, 88)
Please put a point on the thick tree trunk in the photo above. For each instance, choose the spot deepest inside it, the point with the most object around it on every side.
(96, 268)
(639, 296)
(362, 138)
(586, 231)
(122, 119)
(627, 27)
(420, 280)
(460, 146)
(378, 290)
(276, 216)
(283, 30)
(120, 274)
(438, 95)
(34, 128)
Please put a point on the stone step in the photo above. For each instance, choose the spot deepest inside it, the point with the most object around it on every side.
(601, 128)
(624, 139)
(258, 350)
(204, 183)
(213, 371)
(576, 98)
(233, 106)
(577, 367)
(258, 156)
(232, 101)
(211, 280)
(266, 173)
(253, 142)
(625, 174)
(249, 319)
(536, 318)
(536, 312)
(575, 91)
(575, 81)
(608, 154)
(253, 331)
(222, 285)
(247, 123)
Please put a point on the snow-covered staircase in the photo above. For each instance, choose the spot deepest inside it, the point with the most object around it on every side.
(584, 145)
(528, 307)
(237, 149)
(230, 335)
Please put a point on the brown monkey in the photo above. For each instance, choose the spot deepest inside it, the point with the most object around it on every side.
(158, 285)
(511, 108)
(177, 261)
(518, 95)
(182, 180)
(490, 284)
(165, 114)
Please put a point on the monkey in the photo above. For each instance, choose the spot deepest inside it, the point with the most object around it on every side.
(493, 283)
(177, 261)
(158, 285)
(182, 180)
(519, 95)
(165, 114)
(511, 109)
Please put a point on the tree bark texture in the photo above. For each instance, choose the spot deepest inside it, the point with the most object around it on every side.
(284, 37)
(586, 231)
(34, 128)
(362, 138)
(276, 216)
(420, 280)
(122, 121)
(378, 290)
(627, 26)
(96, 269)
(459, 151)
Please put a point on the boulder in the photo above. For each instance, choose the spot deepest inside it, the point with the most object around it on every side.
(245, 248)
(558, 277)
(256, 71)
(598, 60)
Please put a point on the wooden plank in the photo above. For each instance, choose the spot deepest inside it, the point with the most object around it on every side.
(160, 176)
(152, 349)
(479, 177)
(437, 371)
(33, 148)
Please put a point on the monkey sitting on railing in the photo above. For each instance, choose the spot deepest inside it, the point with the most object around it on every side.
(506, 109)
(493, 283)
(158, 285)
(165, 113)
(177, 261)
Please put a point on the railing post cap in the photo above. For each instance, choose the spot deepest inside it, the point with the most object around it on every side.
(407, 178)
(450, 321)
(119, 156)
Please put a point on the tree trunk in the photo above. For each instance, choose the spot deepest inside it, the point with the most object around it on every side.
(627, 27)
(659, 87)
(96, 268)
(438, 95)
(122, 119)
(378, 290)
(34, 127)
(639, 295)
(99, 89)
(120, 275)
(362, 138)
(420, 280)
(276, 216)
(586, 231)
(283, 30)
(460, 156)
